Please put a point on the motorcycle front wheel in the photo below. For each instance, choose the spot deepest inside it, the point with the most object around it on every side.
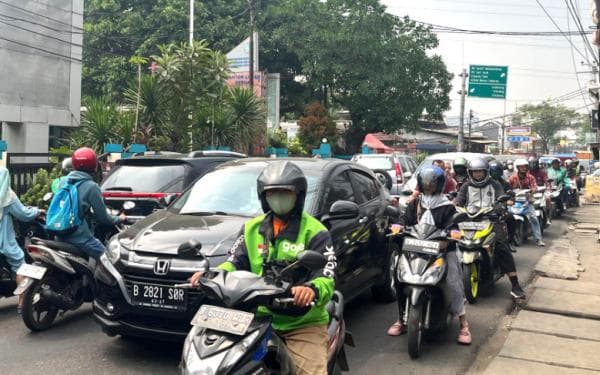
(519, 233)
(36, 313)
(415, 330)
(471, 281)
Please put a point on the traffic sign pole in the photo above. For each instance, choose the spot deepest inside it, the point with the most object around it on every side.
(461, 127)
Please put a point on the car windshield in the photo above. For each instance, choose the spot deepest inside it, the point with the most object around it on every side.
(230, 190)
(146, 178)
(382, 162)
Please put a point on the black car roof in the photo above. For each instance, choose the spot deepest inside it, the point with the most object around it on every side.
(171, 159)
(306, 164)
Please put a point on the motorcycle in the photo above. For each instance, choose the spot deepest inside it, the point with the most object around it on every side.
(556, 198)
(574, 191)
(542, 210)
(519, 210)
(476, 247)
(232, 338)
(60, 278)
(419, 271)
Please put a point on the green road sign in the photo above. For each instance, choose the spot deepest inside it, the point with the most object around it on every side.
(486, 81)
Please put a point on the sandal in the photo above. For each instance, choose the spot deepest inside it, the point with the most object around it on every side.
(464, 337)
(396, 329)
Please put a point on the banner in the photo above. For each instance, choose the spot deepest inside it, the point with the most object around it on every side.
(242, 79)
(239, 57)
(520, 131)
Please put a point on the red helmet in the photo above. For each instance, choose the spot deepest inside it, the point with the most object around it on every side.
(84, 159)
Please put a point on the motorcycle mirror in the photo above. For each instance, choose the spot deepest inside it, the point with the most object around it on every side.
(190, 248)
(459, 216)
(391, 211)
(47, 197)
(312, 260)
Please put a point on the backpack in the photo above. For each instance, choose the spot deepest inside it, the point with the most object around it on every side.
(63, 217)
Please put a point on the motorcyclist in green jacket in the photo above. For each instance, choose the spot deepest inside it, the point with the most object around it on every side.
(280, 234)
(559, 177)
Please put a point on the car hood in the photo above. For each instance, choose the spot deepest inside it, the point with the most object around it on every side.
(163, 232)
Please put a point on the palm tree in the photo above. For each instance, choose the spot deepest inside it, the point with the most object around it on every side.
(99, 124)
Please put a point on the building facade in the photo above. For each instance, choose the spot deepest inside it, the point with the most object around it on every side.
(40, 70)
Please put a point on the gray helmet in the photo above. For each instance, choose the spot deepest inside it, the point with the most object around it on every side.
(66, 166)
(282, 175)
(479, 164)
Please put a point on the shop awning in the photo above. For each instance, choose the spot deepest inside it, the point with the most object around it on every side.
(375, 144)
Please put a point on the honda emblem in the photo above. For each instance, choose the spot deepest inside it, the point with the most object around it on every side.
(161, 267)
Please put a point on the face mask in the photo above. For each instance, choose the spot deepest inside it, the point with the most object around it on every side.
(281, 203)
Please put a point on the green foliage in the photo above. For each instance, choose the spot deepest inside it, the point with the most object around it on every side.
(40, 185)
(277, 139)
(420, 157)
(546, 120)
(295, 147)
(315, 125)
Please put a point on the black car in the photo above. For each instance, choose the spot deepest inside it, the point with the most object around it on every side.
(152, 181)
(136, 276)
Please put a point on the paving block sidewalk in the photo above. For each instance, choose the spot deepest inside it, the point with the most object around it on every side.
(558, 330)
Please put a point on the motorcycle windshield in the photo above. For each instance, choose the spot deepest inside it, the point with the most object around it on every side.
(242, 288)
(425, 231)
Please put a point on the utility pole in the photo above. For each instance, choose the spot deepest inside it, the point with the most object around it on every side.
(470, 121)
(252, 46)
(503, 129)
(191, 129)
(461, 127)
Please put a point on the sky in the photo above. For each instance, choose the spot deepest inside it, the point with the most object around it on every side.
(539, 68)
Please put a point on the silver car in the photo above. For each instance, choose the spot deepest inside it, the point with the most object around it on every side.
(398, 166)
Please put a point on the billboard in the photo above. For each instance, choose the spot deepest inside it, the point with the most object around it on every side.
(519, 131)
(239, 57)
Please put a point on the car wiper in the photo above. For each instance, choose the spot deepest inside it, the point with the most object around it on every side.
(205, 213)
(122, 188)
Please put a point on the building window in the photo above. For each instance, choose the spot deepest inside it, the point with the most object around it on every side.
(57, 136)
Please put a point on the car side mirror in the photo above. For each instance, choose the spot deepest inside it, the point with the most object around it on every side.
(312, 260)
(343, 210)
(190, 248)
(167, 200)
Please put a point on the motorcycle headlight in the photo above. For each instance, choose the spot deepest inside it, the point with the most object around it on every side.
(113, 250)
(433, 273)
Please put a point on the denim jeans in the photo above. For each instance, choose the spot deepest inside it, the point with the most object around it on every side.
(92, 247)
(535, 224)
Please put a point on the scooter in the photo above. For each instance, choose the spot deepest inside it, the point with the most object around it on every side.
(61, 278)
(420, 270)
(556, 198)
(476, 246)
(519, 210)
(542, 211)
(230, 338)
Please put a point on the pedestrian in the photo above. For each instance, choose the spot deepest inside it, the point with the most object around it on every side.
(11, 207)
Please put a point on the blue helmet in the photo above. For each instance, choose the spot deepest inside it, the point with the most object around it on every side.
(431, 176)
(496, 169)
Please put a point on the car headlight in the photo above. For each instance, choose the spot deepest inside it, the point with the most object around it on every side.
(113, 250)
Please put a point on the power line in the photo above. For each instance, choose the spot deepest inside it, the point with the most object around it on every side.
(39, 15)
(40, 49)
(402, 8)
(580, 28)
(7, 17)
(42, 34)
(575, 67)
(559, 29)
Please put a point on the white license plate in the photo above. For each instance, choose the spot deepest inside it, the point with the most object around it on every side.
(30, 270)
(472, 225)
(223, 320)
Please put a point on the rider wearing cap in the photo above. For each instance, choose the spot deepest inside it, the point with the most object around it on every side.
(280, 234)
(482, 191)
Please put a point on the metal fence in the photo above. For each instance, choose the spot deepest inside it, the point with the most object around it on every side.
(22, 169)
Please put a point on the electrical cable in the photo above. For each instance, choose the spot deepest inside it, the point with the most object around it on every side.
(40, 49)
(38, 14)
(41, 34)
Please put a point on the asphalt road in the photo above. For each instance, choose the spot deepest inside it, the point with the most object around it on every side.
(76, 345)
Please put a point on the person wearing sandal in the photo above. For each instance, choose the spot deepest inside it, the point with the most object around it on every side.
(433, 207)
(11, 207)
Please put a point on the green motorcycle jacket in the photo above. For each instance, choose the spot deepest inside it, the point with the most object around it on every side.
(302, 233)
(559, 176)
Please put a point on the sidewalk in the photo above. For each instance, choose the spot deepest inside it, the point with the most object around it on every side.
(558, 330)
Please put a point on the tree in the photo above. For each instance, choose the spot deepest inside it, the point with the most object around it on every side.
(315, 125)
(547, 119)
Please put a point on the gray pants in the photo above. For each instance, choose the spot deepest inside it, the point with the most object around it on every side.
(453, 288)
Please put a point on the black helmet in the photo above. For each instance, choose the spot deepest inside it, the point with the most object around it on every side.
(496, 169)
(534, 163)
(432, 175)
(479, 164)
(460, 166)
(557, 160)
(282, 175)
(66, 166)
